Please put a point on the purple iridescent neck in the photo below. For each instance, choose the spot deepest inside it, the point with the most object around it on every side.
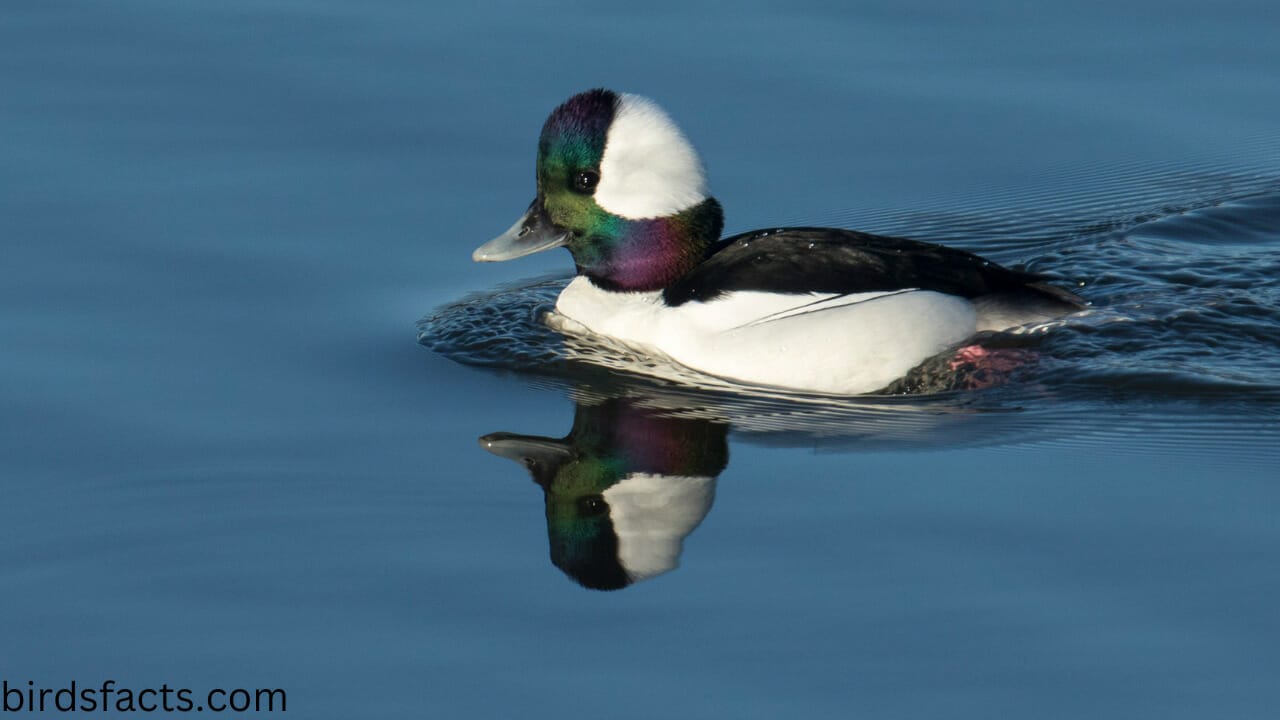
(648, 255)
(643, 440)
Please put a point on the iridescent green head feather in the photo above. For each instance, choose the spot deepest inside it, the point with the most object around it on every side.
(622, 188)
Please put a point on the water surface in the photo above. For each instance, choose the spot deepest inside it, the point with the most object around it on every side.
(227, 461)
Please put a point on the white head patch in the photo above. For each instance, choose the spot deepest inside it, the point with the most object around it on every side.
(649, 169)
(652, 514)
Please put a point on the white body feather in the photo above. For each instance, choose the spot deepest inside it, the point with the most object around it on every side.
(842, 344)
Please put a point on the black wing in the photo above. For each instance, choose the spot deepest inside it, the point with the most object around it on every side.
(828, 260)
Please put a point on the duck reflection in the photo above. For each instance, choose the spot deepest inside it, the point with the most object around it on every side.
(637, 473)
(623, 489)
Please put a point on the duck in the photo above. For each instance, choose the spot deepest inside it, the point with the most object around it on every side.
(623, 489)
(811, 309)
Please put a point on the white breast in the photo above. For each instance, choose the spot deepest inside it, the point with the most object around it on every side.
(844, 344)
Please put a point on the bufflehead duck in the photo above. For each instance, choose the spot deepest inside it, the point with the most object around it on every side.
(803, 308)
(623, 489)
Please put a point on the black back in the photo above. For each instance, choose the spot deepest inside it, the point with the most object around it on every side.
(829, 260)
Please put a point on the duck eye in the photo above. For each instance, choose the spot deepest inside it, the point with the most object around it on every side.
(591, 506)
(585, 181)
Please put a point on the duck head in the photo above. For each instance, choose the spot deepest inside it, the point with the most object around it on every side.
(622, 188)
(622, 490)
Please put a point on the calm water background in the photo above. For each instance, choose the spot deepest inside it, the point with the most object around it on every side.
(225, 461)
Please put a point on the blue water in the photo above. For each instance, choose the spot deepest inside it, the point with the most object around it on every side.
(226, 460)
